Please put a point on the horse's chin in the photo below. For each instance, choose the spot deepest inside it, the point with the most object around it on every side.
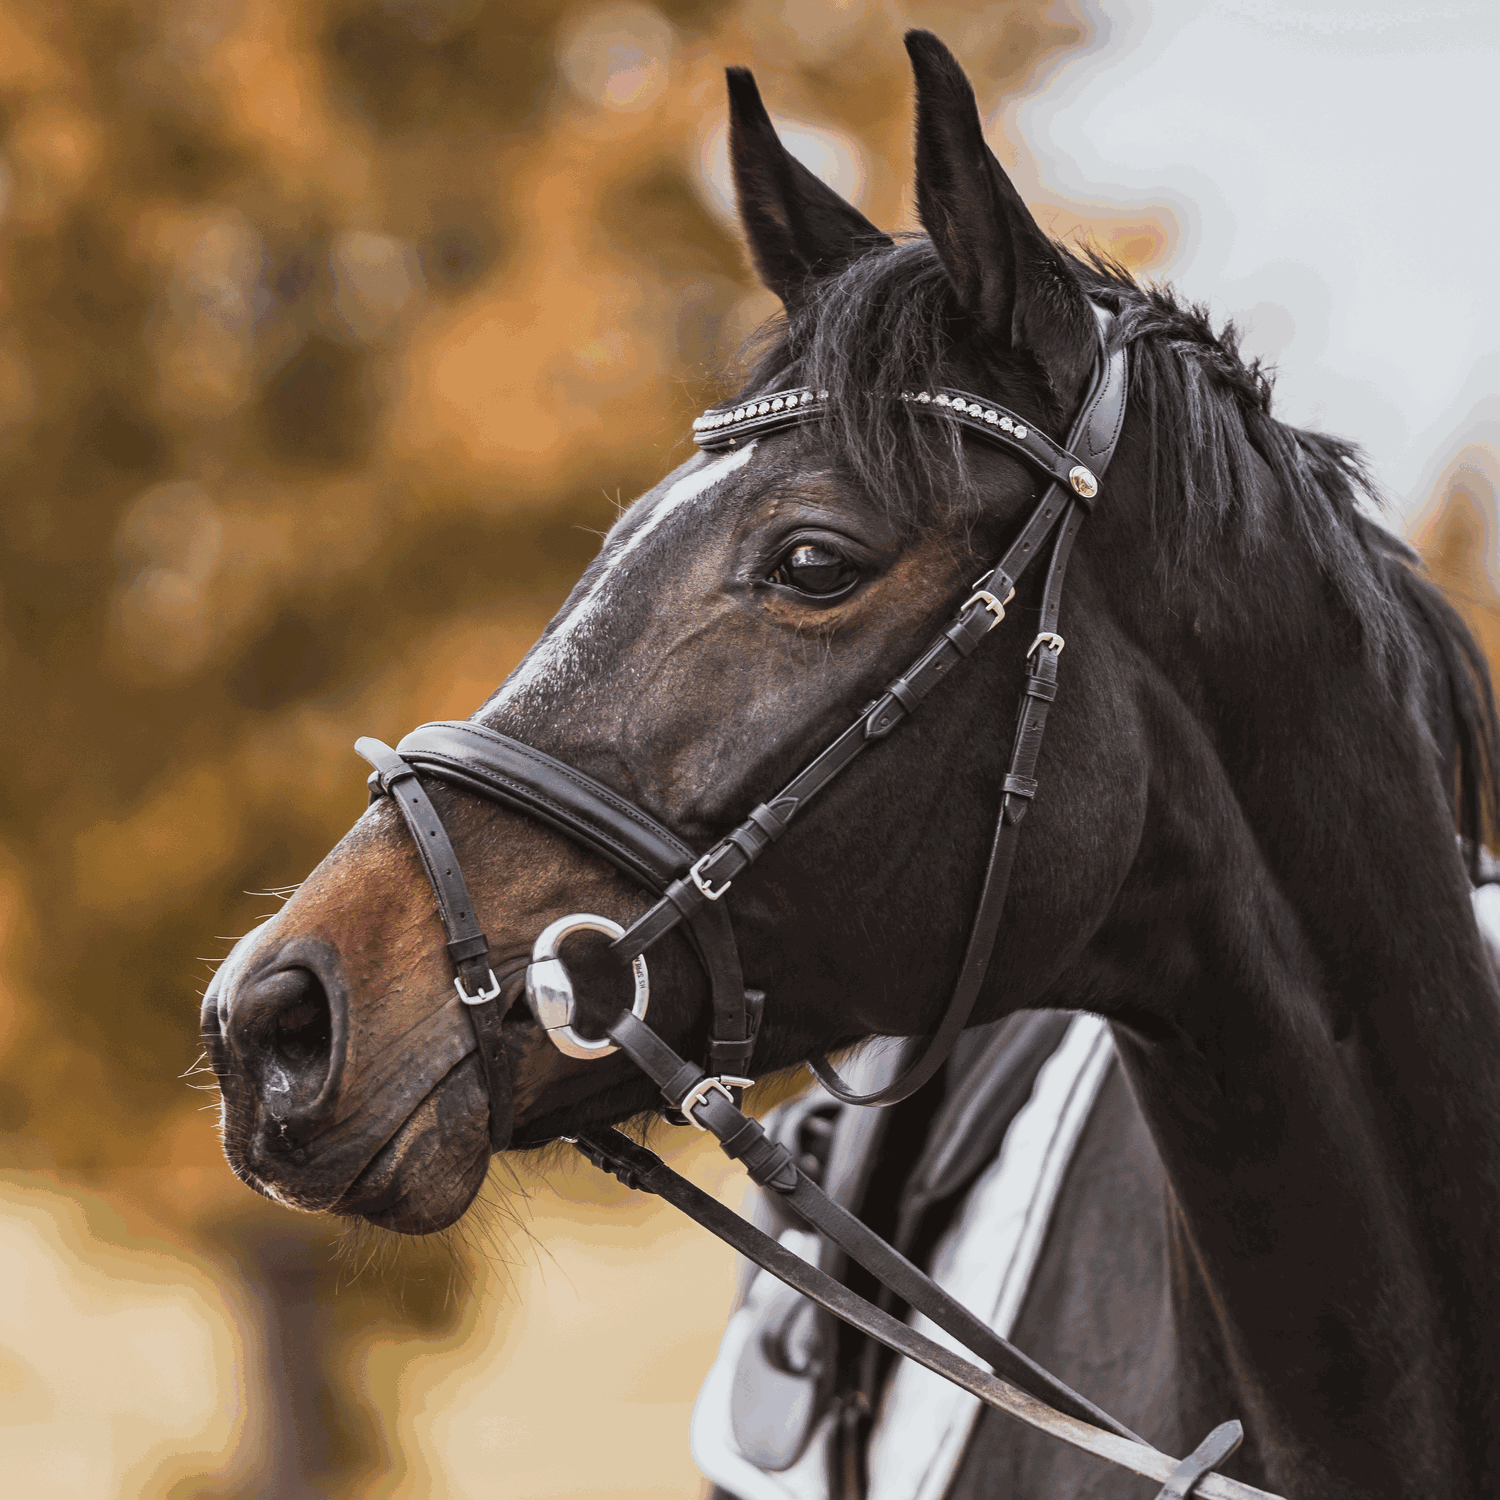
(425, 1177)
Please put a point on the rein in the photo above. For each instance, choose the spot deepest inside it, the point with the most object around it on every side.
(690, 888)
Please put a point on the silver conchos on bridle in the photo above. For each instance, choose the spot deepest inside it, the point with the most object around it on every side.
(549, 989)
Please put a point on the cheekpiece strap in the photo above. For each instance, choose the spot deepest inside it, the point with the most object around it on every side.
(468, 947)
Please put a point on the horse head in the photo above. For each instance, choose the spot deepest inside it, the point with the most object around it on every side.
(736, 618)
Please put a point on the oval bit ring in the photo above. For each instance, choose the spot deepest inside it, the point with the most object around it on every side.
(549, 989)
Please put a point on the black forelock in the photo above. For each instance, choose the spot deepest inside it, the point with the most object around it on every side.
(889, 323)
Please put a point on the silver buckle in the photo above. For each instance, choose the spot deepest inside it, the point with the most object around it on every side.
(483, 996)
(700, 1090)
(1049, 640)
(707, 891)
(697, 1094)
(995, 606)
(549, 989)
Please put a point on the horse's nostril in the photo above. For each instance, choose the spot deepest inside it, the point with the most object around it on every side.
(304, 1031)
(288, 1033)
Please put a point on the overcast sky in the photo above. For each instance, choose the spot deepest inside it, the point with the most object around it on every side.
(1332, 165)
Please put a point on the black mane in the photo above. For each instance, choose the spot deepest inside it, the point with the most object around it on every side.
(889, 323)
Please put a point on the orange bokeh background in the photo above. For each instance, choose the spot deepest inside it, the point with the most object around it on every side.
(331, 335)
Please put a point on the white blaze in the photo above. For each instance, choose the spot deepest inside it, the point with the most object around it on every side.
(547, 666)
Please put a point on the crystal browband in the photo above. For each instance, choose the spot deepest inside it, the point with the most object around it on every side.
(727, 426)
(768, 414)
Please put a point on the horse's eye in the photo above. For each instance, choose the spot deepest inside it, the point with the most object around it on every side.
(816, 570)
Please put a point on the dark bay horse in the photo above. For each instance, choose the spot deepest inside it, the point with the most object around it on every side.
(1241, 850)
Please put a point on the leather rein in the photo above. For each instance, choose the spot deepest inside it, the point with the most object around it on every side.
(689, 890)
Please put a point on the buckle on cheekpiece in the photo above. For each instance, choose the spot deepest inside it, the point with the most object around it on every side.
(704, 887)
(484, 995)
(995, 606)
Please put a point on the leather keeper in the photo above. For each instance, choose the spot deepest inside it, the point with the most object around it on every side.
(751, 841)
(685, 896)
(771, 822)
(1020, 786)
(729, 1057)
(962, 631)
(1039, 687)
(901, 691)
(464, 949)
(676, 1088)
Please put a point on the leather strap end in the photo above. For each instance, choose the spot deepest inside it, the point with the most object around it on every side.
(755, 1009)
(388, 765)
(1207, 1456)
(884, 717)
(772, 818)
(768, 1163)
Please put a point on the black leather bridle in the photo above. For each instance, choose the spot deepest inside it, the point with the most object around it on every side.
(690, 888)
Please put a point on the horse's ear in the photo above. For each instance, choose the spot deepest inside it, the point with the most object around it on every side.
(1019, 292)
(799, 228)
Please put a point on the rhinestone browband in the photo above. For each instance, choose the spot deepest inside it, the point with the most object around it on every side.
(728, 426)
(769, 414)
(724, 425)
(960, 404)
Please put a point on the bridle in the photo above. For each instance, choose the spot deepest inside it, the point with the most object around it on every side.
(690, 887)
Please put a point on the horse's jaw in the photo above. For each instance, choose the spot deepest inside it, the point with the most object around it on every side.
(426, 1176)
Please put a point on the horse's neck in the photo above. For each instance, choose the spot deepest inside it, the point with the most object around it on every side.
(1319, 1062)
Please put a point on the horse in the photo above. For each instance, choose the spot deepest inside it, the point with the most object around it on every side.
(1247, 841)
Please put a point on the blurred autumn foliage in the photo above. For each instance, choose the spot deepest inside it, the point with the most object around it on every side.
(331, 334)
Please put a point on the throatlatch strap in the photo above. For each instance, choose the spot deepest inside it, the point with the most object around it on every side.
(643, 1170)
(467, 945)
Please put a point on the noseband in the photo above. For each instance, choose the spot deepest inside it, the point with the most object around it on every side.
(690, 889)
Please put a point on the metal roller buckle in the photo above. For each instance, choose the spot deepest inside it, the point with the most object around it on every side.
(696, 876)
(701, 1090)
(995, 606)
(549, 989)
(484, 995)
